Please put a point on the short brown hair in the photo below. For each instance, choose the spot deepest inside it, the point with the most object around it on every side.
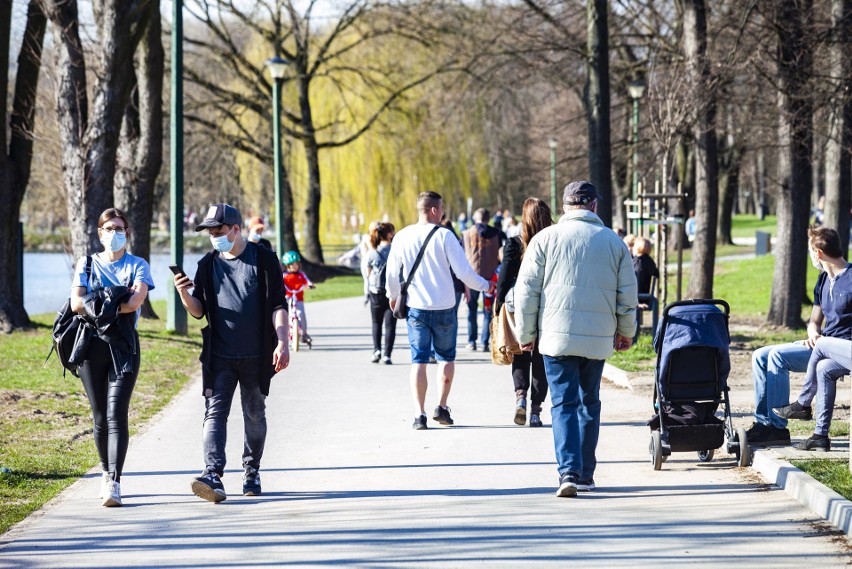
(428, 200)
(825, 239)
(112, 213)
(535, 217)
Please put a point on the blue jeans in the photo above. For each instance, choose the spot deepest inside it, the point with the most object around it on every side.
(575, 384)
(472, 315)
(831, 359)
(432, 329)
(486, 325)
(771, 367)
(227, 373)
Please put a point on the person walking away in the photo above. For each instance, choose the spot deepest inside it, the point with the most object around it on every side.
(255, 232)
(295, 282)
(831, 316)
(643, 265)
(482, 246)
(528, 373)
(576, 298)
(432, 320)
(364, 248)
(239, 289)
(109, 294)
(379, 303)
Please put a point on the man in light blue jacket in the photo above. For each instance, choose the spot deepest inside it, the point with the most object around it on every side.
(576, 296)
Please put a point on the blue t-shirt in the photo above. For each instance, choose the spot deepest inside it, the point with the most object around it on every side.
(836, 304)
(126, 271)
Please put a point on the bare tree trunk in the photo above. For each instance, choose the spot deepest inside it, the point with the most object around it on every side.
(729, 181)
(311, 246)
(140, 152)
(89, 146)
(16, 156)
(795, 140)
(598, 104)
(706, 167)
(838, 151)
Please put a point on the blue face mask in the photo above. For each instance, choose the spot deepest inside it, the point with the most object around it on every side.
(113, 241)
(221, 243)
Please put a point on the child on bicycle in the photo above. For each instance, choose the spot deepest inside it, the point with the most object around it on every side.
(295, 282)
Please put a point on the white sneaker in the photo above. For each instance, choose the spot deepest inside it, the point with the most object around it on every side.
(113, 497)
(105, 479)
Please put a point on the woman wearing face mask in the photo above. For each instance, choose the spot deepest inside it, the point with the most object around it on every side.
(109, 295)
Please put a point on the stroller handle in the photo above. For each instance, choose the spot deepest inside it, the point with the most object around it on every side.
(694, 301)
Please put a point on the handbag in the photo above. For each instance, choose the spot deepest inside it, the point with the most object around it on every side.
(68, 334)
(400, 309)
(504, 343)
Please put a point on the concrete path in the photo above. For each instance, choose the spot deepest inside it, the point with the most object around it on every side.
(347, 482)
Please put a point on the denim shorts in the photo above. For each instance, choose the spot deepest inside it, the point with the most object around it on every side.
(428, 329)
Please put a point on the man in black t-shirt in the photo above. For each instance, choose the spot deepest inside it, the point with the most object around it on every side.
(239, 287)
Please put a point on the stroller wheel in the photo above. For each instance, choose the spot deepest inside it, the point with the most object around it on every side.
(742, 451)
(656, 450)
(706, 455)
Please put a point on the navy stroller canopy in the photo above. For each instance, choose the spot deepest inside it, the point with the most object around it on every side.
(689, 326)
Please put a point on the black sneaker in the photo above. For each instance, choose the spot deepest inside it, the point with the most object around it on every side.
(819, 443)
(767, 435)
(586, 485)
(535, 420)
(567, 485)
(209, 487)
(794, 410)
(251, 482)
(420, 423)
(442, 415)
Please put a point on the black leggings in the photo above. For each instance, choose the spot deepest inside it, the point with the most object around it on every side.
(381, 312)
(521, 365)
(109, 397)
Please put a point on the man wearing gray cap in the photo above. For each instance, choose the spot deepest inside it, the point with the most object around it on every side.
(576, 296)
(239, 287)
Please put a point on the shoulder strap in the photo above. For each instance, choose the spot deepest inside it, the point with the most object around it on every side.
(419, 257)
(89, 268)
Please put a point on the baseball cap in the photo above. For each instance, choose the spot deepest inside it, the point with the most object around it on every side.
(220, 214)
(579, 193)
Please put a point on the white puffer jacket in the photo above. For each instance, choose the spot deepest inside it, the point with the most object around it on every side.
(576, 289)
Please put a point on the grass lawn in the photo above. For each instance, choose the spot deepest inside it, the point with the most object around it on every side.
(833, 473)
(45, 420)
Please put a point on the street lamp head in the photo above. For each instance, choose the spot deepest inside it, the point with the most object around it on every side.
(277, 67)
(551, 142)
(636, 89)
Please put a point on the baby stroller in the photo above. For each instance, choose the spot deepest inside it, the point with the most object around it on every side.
(690, 381)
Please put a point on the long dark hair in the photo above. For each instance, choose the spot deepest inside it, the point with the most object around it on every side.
(536, 216)
(382, 232)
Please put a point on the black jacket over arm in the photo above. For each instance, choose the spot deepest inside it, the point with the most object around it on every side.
(512, 255)
(270, 287)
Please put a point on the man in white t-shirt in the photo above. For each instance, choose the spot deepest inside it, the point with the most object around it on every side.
(432, 320)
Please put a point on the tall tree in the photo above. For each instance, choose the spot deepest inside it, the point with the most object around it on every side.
(704, 137)
(792, 22)
(140, 151)
(597, 103)
(16, 153)
(90, 136)
(838, 151)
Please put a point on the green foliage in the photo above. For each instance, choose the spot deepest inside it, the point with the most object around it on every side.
(833, 473)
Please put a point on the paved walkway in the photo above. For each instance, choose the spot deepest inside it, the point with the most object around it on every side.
(347, 482)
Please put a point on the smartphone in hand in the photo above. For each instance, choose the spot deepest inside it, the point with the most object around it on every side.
(177, 270)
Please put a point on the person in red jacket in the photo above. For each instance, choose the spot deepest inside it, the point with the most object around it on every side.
(295, 282)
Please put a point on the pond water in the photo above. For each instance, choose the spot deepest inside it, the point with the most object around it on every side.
(47, 278)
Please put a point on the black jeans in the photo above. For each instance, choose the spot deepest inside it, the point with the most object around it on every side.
(109, 397)
(381, 312)
(227, 374)
(521, 365)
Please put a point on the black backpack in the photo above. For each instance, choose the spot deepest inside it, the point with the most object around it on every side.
(65, 329)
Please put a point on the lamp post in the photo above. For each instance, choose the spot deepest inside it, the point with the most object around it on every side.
(636, 90)
(277, 67)
(175, 312)
(551, 142)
